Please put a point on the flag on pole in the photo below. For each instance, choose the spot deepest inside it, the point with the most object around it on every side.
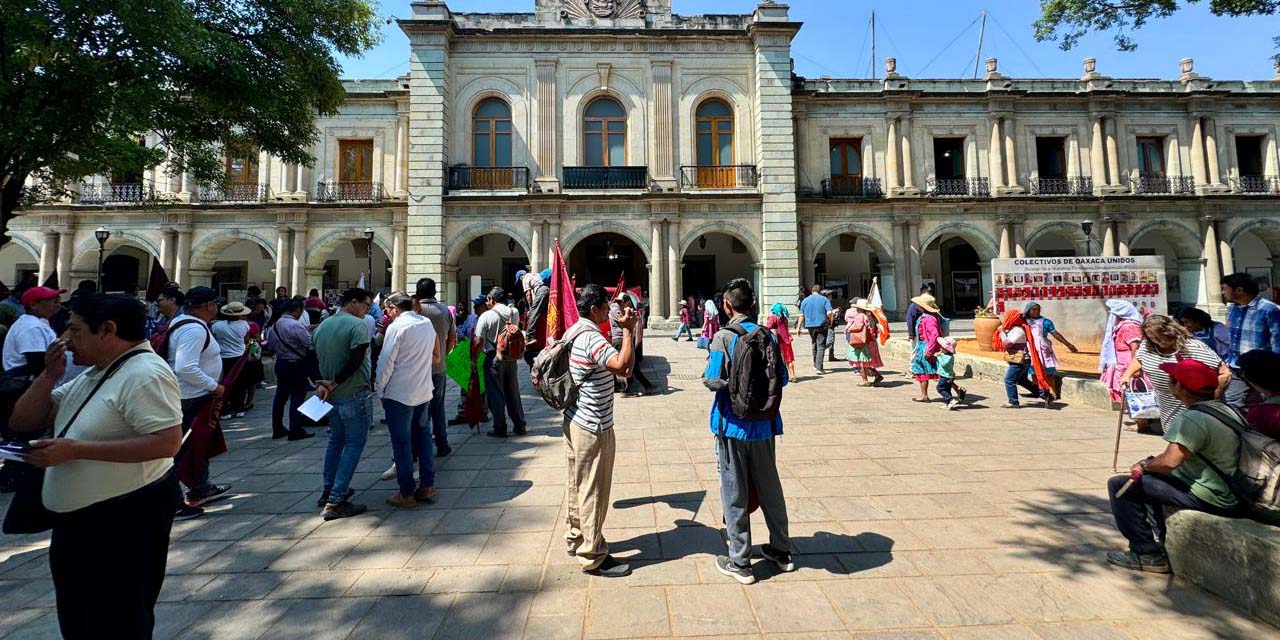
(562, 304)
(878, 303)
(52, 281)
(156, 281)
(360, 285)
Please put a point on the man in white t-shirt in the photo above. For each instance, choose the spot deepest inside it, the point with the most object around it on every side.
(31, 335)
(588, 428)
(404, 383)
(501, 384)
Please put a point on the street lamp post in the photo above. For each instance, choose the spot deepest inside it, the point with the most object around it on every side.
(1087, 227)
(102, 234)
(368, 236)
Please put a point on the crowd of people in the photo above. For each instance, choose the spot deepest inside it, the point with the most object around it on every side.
(120, 405)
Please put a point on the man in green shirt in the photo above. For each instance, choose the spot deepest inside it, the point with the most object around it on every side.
(342, 348)
(1179, 477)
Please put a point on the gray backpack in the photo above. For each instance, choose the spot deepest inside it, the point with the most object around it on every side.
(550, 373)
(1256, 481)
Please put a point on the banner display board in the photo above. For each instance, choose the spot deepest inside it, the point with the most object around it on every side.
(1072, 290)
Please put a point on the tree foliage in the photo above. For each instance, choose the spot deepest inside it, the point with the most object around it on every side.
(1066, 21)
(82, 80)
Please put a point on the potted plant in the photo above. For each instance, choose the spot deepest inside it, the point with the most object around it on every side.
(985, 324)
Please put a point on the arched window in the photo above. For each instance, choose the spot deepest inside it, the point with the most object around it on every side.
(491, 134)
(715, 133)
(604, 129)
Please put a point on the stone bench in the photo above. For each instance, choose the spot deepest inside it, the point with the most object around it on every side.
(1238, 560)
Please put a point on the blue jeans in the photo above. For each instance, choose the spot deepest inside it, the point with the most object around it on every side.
(435, 410)
(349, 423)
(1016, 376)
(684, 330)
(410, 438)
(944, 388)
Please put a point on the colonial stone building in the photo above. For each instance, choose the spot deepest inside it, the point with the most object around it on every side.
(680, 151)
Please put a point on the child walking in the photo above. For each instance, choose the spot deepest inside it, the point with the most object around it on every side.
(947, 373)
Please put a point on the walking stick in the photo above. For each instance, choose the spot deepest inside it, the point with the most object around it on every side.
(1115, 457)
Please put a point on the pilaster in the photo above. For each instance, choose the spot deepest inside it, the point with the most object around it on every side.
(545, 108)
(663, 142)
(430, 33)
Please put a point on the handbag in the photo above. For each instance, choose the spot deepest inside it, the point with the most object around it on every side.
(1016, 357)
(704, 343)
(1141, 404)
(27, 513)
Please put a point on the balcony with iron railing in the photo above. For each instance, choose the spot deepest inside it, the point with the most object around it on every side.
(605, 178)
(115, 193)
(735, 176)
(232, 194)
(327, 191)
(958, 187)
(463, 177)
(1164, 185)
(1075, 186)
(852, 187)
(1256, 185)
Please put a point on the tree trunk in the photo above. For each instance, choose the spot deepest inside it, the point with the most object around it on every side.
(10, 195)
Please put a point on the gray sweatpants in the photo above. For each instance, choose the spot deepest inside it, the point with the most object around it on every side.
(742, 464)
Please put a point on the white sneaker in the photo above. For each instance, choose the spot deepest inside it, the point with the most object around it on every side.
(389, 474)
(953, 405)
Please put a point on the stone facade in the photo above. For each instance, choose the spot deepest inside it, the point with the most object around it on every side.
(835, 181)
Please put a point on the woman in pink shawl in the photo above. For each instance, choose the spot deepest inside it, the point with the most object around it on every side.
(1120, 342)
(861, 331)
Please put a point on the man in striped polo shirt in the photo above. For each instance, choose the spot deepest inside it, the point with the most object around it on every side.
(594, 365)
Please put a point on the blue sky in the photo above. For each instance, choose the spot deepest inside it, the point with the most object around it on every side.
(834, 40)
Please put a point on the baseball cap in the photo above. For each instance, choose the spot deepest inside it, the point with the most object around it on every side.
(36, 294)
(1192, 374)
(520, 275)
(201, 295)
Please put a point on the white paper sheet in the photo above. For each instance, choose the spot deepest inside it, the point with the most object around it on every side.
(315, 408)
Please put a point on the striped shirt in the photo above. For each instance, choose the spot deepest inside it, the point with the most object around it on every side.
(1151, 359)
(587, 360)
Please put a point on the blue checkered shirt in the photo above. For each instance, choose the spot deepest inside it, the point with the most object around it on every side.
(1253, 326)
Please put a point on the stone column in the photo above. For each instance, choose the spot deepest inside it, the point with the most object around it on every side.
(166, 251)
(399, 241)
(535, 245)
(545, 107)
(66, 254)
(1226, 254)
(282, 258)
(1097, 157)
(657, 254)
(394, 184)
(914, 257)
(1019, 240)
(264, 168)
(298, 261)
(663, 165)
(429, 32)
(1210, 299)
(1211, 150)
(891, 157)
(1122, 238)
(1010, 158)
(908, 175)
(299, 183)
(1108, 237)
(1113, 154)
(1197, 151)
(675, 272)
(1006, 239)
(553, 234)
(48, 255)
(807, 252)
(996, 156)
(182, 261)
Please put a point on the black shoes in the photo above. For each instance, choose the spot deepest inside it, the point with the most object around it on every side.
(495, 434)
(214, 493)
(324, 497)
(1154, 563)
(294, 437)
(186, 512)
(344, 509)
(610, 568)
(444, 451)
(780, 558)
(742, 574)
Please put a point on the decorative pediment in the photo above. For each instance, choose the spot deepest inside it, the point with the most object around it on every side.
(602, 9)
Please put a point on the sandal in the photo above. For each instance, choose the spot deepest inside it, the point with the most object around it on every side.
(919, 399)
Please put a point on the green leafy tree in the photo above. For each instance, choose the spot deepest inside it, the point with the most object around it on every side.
(82, 80)
(1066, 21)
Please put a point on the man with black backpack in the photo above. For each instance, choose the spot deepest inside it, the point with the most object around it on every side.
(746, 372)
(1193, 472)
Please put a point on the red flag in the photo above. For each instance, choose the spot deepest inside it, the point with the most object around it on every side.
(52, 281)
(562, 305)
(157, 281)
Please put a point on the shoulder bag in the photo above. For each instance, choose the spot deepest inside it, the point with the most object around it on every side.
(27, 513)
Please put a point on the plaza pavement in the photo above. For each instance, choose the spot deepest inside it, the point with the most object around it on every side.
(910, 522)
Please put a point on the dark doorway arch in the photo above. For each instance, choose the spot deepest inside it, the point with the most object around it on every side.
(603, 257)
(120, 273)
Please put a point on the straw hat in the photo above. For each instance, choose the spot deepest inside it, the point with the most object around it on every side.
(864, 304)
(235, 309)
(927, 302)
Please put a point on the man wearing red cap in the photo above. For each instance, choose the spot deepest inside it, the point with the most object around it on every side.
(31, 335)
(1183, 476)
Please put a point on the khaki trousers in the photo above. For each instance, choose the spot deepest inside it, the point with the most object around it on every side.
(590, 458)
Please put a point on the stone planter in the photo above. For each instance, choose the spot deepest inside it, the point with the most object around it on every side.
(982, 330)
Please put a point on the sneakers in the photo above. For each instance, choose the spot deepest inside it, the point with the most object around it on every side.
(344, 509)
(425, 494)
(742, 574)
(1010, 406)
(213, 493)
(401, 501)
(390, 473)
(953, 405)
(324, 497)
(186, 512)
(780, 558)
(610, 568)
(961, 393)
(1153, 563)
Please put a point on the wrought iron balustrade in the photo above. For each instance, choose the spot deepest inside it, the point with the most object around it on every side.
(232, 193)
(488, 178)
(348, 191)
(1073, 186)
(116, 193)
(851, 187)
(958, 187)
(605, 178)
(1265, 185)
(718, 177)
(1164, 185)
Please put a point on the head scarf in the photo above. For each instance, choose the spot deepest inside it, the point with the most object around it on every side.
(851, 314)
(1117, 311)
(779, 310)
(1014, 318)
(1026, 310)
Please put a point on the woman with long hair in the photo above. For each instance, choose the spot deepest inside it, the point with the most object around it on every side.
(1165, 340)
(779, 323)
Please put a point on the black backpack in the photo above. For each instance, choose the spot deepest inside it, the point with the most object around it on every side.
(756, 371)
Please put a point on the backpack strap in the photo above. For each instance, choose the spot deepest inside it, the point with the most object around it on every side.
(208, 333)
(1222, 417)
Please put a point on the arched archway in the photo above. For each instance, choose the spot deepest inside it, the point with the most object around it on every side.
(712, 255)
(125, 271)
(338, 259)
(604, 258)
(17, 261)
(846, 259)
(956, 260)
(488, 260)
(1255, 249)
(1058, 240)
(1183, 266)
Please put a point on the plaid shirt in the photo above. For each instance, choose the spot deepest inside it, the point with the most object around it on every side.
(1253, 326)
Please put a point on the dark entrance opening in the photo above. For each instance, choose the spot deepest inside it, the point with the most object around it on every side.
(603, 257)
(120, 273)
(962, 278)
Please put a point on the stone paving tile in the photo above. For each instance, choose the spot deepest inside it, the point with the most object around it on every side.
(710, 609)
(799, 606)
(329, 619)
(410, 617)
(628, 613)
